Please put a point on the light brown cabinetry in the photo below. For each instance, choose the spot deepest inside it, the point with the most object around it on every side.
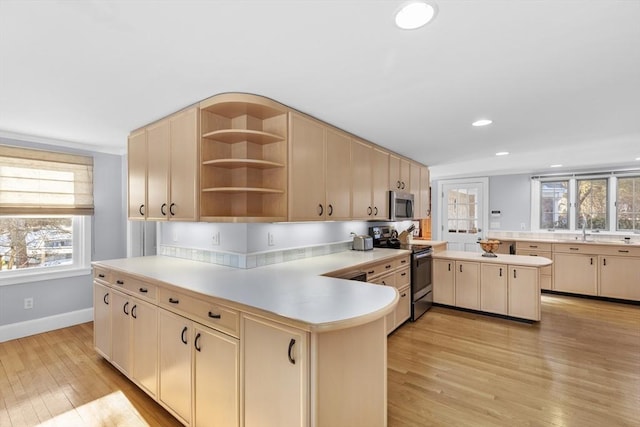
(380, 183)
(399, 174)
(158, 169)
(467, 284)
(524, 292)
(394, 272)
(137, 178)
(275, 365)
(320, 164)
(362, 186)
(102, 319)
(493, 291)
(144, 345)
(120, 350)
(243, 171)
(424, 204)
(444, 281)
(620, 276)
(575, 269)
(538, 249)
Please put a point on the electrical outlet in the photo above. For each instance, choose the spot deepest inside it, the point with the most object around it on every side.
(270, 241)
(28, 303)
(216, 239)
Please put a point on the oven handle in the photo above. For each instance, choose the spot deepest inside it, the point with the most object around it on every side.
(422, 255)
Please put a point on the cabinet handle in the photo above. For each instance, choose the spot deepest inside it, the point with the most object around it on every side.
(604, 261)
(403, 295)
(140, 209)
(623, 251)
(591, 261)
(291, 344)
(449, 267)
(124, 308)
(120, 282)
(330, 209)
(214, 316)
(403, 274)
(171, 209)
(384, 283)
(375, 211)
(320, 209)
(388, 266)
(501, 272)
(369, 210)
(196, 342)
(370, 272)
(398, 184)
(403, 185)
(174, 301)
(460, 268)
(162, 211)
(404, 261)
(533, 246)
(101, 276)
(133, 311)
(533, 254)
(574, 249)
(143, 290)
(515, 274)
(106, 298)
(183, 336)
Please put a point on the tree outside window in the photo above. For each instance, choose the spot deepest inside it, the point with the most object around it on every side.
(628, 204)
(554, 205)
(592, 204)
(28, 242)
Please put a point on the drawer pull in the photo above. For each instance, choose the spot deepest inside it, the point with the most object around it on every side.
(623, 251)
(404, 261)
(174, 301)
(533, 246)
(120, 282)
(183, 336)
(101, 276)
(197, 341)
(574, 249)
(404, 294)
(214, 316)
(289, 355)
(404, 274)
(143, 290)
(387, 266)
(533, 254)
(384, 283)
(371, 272)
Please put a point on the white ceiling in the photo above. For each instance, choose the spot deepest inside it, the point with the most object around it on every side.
(560, 78)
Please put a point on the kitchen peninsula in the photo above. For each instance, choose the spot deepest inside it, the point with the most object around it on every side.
(274, 345)
(508, 285)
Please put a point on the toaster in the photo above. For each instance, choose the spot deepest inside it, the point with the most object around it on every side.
(362, 243)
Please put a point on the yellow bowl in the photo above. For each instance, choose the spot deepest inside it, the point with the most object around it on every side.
(489, 245)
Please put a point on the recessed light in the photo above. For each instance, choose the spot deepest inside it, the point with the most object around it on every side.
(637, 158)
(483, 122)
(555, 166)
(502, 153)
(414, 15)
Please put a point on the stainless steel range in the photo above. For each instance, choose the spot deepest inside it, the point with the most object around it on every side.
(421, 286)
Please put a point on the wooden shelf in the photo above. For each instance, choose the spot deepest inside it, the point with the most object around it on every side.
(242, 190)
(243, 163)
(232, 136)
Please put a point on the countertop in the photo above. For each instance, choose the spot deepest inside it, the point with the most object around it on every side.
(591, 240)
(523, 260)
(294, 290)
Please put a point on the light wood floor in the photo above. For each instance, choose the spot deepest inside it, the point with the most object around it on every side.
(579, 367)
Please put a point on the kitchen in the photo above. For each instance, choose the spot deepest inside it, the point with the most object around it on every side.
(71, 298)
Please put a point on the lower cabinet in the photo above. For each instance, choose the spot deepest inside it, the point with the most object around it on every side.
(493, 291)
(524, 292)
(102, 319)
(575, 273)
(467, 284)
(444, 281)
(275, 365)
(620, 277)
(144, 345)
(120, 323)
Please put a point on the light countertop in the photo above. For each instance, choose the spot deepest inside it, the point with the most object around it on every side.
(294, 290)
(592, 239)
(523, 260)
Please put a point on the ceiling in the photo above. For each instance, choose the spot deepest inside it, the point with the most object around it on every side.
(560, 79)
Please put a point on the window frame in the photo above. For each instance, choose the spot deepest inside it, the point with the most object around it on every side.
(81, 265)
(615, 207)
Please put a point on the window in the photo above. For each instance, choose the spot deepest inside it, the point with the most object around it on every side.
(45, 198)
(554, 205)
(628, 204)
(592, 204)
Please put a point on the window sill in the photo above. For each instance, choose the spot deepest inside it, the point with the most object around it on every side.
(16, 278)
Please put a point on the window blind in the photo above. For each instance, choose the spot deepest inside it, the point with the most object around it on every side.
(37, 182)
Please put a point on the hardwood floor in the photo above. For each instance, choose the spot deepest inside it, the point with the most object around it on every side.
(579, 367)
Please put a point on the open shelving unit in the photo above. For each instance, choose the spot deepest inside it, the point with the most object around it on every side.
(243, 159)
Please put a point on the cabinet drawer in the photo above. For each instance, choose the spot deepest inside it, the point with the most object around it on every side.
(403, 277)
(574, 248)
(134, 286)
(102, 274)
(532, 246)
(385, 279)
(543, 270)
(201, 310)
(382, 267)
(619, 250)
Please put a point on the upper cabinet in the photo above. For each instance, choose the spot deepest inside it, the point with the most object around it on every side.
(245, 158)
(424, 205)
(163, 176)
(243, 172)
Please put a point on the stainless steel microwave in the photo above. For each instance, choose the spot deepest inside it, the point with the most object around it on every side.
(400, 206)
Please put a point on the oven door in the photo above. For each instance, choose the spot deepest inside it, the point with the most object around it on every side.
(421, 286)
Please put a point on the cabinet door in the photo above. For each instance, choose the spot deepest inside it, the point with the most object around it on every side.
(405, 176)
(380, 182)
(620, 277)
(338, 175)
(414, 186)
(137, 176)
(576, 273)
(175, 364)
(102, 319)
(120, 344)
(144, 345)
(467, 284)
(524, 292)
(158, 158)
(184, 166)
(361, 154)
(443, 281)
(307, 169)
(424, 207)
(217, 379)
(493, 288)
(275, 374)
(403, 309)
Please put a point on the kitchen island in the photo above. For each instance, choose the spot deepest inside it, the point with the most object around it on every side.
(508, 285)
(270, 346)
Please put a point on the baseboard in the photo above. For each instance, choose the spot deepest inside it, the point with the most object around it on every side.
(45, 324)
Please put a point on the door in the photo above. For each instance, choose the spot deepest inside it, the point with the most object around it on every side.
(338, 176)
(102, 319)
(444, 282)
(467, 284)
(137, 179)
(144, 345)
(158, 153)
(493, 288)
(462, 215)
(361, 154)
(120, 355)
(184, 166)
(524, 289)
(380, 181)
